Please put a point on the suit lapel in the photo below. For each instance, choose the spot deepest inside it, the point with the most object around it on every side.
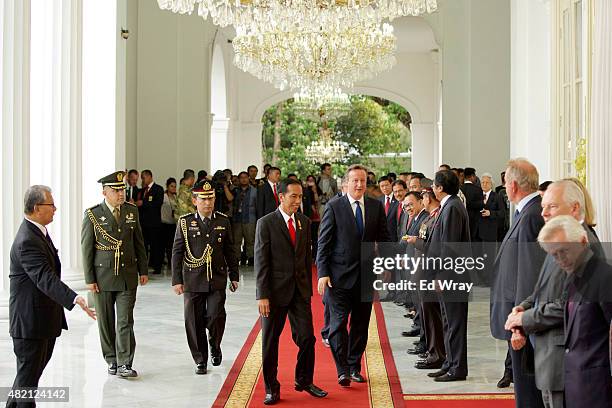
(280, 220)
(51, 248)
(514, 225)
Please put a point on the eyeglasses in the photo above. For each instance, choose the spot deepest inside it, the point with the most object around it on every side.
(51, 204)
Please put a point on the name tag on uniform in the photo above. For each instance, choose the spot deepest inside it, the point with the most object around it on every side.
(150, 198)
(219, 228)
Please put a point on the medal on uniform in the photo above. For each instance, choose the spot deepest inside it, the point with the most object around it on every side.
(102, 218)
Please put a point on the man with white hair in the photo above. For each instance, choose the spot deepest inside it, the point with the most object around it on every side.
(516, 269)
(540, 316)
(587, 313)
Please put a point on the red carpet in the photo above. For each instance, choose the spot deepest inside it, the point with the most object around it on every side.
(244, 386)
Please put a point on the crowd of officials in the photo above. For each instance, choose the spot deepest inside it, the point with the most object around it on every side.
(551, 286)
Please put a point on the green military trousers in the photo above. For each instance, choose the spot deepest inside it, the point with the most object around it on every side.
(115, 313)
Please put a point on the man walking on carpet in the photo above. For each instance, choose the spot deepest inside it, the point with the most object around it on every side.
(283, 269)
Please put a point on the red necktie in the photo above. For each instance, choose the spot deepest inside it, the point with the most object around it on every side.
(291, 231)
(387, 205)
(399, 212)
(276, 197)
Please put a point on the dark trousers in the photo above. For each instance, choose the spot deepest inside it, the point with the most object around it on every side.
(325, 329)
(302, 333)
(168, 231)
(348, 346)
(526, 393)
(32, 358)
(434, 331)
(204, 310)
(154, 243)
(454, 323)
(115, 315)
(508, 362)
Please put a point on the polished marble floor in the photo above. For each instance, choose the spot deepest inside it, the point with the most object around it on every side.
(166, 368)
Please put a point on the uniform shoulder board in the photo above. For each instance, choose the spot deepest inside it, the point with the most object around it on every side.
(221, 214)
(94, 207)
(132, 204)
(186, 215)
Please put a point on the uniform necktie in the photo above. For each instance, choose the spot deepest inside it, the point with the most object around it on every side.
(275, 195)
(387, 205)
(291, 231)
(116, 214)
(359, 218)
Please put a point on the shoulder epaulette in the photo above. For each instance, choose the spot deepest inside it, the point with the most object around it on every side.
(94, 207)
(221, 214)
(132, 204)
(186, 215)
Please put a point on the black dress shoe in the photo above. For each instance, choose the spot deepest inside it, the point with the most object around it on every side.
(424, 356)
(438, 373)
(449, 377)
(412, 332)
(312, 390)
(505, 381)
(201, 369)
(428, 365)
(344, 380)
(126, 371)
(357, 377)
(272, 399)
(112, 368)
(417, 350)
(216, 359)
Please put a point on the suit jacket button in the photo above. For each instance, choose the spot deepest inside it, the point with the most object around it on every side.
(122, 253)
(119, 229)
(122, 264)
(566, 351)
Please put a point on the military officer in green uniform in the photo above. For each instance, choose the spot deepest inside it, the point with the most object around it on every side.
(203, 255)
(114, 261)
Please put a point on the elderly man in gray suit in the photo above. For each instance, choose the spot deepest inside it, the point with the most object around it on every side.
(541, 314)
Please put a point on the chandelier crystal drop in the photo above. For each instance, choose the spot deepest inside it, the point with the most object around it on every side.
(326, 150)
(321, 107)
(320, 61)
(285, 14)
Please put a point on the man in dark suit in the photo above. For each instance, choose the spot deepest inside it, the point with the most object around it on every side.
(132, 191)
(587, 313)
(283, 268)
(473, 199)
(492, 213)
(346, 271)
(267, 193)
(37, 294)
(149, 209)
(515, 272)
(540, 316)
(451, 232)
(390, 204)
(203, 255)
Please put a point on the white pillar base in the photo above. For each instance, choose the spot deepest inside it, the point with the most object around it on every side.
(4, 301)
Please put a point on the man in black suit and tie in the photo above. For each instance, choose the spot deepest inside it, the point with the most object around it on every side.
(149, 209)
(283, 269)
(473, 199)
(450, 230)
(390, 204)
(132, 191)
(515, 272)
(267, 193)
(37, 294)
(346, 272)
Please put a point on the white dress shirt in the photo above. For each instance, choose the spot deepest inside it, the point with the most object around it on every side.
(286, 217)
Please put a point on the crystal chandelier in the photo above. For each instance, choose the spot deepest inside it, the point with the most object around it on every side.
(268, 15)
(320, 61)
(321, 107)
(326, 150)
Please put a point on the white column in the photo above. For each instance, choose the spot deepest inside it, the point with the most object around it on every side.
(600, 147)
(249, 146)
(423, 148)
(55, 121)
(530, 124)
(15, 123)
(219, 139)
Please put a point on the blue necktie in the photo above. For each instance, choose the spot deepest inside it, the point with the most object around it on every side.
(359, 219)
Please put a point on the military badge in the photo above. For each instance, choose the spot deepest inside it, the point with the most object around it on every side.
(219, 228)
(194, 223)
(150, 198)
(102, 218)
(119, 176)
(129, 218)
